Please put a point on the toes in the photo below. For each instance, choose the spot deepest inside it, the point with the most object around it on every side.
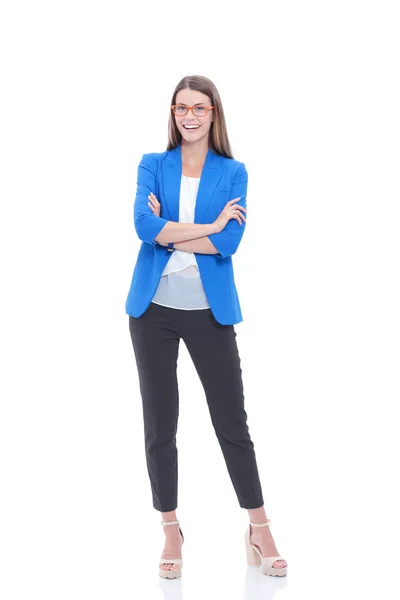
(279, 564)
(170, 566)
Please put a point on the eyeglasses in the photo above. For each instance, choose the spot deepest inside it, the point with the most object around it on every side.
(199, 111)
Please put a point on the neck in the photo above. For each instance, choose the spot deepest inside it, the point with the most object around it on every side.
(194, 153)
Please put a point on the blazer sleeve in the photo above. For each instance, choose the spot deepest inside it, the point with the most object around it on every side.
(227, 241)
(147, 225)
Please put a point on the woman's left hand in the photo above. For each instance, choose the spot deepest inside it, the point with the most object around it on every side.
(154, 204)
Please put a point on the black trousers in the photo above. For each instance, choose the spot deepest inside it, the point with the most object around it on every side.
(155, 337)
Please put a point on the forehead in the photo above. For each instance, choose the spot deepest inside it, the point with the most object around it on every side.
(191, 97)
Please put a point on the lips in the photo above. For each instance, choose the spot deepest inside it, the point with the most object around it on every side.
(191, 127)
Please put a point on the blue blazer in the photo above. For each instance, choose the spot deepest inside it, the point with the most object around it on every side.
(222, 179)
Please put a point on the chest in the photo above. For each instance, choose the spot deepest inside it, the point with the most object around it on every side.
(191, 170)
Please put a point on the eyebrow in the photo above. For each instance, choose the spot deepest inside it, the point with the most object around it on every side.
(197, 104)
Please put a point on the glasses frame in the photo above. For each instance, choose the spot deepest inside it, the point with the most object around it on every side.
(208, 108)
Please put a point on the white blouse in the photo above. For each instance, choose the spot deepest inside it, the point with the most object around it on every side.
(180, 285)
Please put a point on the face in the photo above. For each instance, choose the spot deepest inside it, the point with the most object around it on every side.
(191, 98)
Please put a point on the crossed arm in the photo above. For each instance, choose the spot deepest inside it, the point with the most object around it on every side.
(201, 245)
(189, 237)
(172, 230)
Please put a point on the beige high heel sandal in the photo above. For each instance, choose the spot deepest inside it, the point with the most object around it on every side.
(173, 574)
(255, 558)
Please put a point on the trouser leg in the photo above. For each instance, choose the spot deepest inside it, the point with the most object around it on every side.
(214, 352)
(155, 342)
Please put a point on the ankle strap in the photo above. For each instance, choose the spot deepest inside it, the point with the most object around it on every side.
(165, 523)
(261, 524)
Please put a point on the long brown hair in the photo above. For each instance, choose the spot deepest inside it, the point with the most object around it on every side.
(218, 135)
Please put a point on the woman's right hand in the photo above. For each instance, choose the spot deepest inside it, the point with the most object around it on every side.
(231, 211)
(154, 204)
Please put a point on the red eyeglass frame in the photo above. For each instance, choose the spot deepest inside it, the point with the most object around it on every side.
(191, 108)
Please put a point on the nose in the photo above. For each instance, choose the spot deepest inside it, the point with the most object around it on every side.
(190, 116)
(190, 113)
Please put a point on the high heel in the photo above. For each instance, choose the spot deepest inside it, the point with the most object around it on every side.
(175, 573)
(255, 558)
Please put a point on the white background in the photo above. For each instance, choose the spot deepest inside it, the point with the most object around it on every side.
(311, 96)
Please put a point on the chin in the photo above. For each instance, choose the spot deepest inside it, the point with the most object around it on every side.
(193, 138)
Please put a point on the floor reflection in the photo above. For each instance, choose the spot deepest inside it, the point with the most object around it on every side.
(171, 588)
(256, 586)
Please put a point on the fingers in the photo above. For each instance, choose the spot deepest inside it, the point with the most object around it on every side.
(240, 218)
(153, 199)
(231, 204)
(153, 202)
(237, 207)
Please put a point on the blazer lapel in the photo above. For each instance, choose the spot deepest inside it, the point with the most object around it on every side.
(172, 173)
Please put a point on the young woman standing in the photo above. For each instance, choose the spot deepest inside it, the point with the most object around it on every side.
(189, 212)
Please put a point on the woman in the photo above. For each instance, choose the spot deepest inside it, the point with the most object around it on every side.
(189, 213)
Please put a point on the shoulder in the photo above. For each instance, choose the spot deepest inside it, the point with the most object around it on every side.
(231, 163)
(236, 167)
(152, 157)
